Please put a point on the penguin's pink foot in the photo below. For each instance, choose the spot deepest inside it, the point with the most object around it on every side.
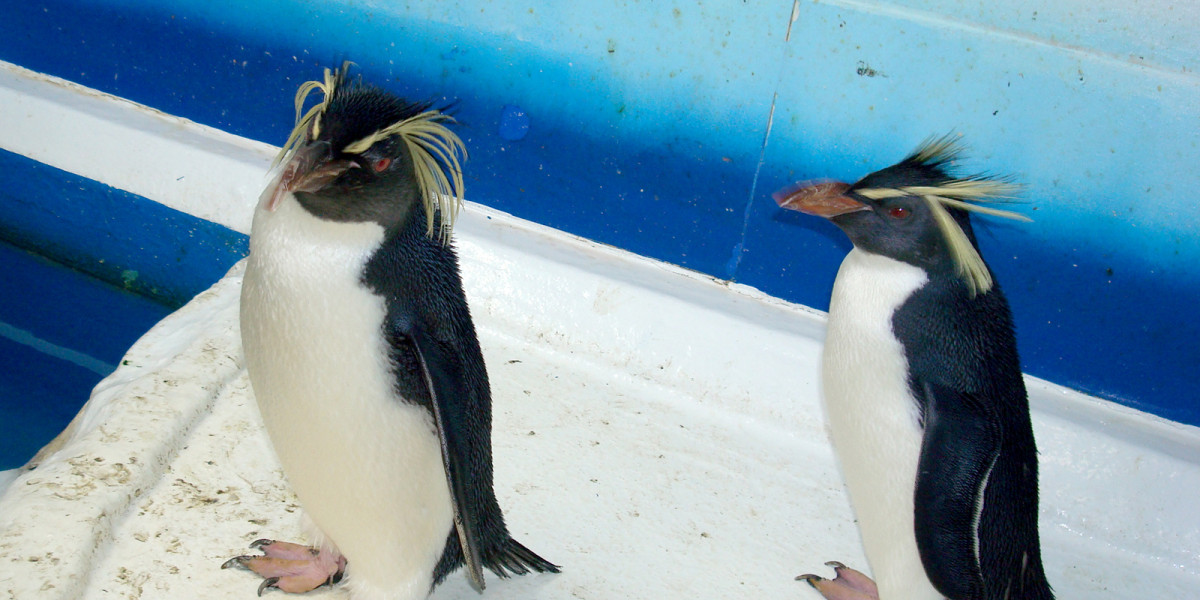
(847, 585)
(291, 567)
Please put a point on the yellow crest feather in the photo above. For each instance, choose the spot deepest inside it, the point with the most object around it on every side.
(435, 150)
(332, 81)
(961, 193)
(938, 150)
(971, 267)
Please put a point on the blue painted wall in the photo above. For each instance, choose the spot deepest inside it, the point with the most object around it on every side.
(647, 125)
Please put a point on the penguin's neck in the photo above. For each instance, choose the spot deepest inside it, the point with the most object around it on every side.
(292, 234)
(869, 288)
(863, 360)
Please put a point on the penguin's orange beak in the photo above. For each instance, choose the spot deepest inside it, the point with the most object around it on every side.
(822, 198)
(309, 169)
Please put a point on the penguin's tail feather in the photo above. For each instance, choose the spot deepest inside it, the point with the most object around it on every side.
(515, 559)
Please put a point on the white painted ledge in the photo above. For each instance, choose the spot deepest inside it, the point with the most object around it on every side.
(657, 433)
(162, 157)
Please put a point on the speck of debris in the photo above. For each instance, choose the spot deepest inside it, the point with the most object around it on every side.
(865, 70)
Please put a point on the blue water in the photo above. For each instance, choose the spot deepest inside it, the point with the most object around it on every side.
(61, 332)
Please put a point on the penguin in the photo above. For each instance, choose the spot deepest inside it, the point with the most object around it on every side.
(923, 389)
(363, 357)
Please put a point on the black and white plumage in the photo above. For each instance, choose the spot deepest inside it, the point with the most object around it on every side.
(363, 357)
(923, 389)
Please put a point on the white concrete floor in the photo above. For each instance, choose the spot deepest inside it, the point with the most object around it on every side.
(627, 484)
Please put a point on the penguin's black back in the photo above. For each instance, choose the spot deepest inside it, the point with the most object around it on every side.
(967, 343)
(418, 276)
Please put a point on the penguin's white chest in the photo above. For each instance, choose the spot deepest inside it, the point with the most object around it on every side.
(365, 464)
(873, 416)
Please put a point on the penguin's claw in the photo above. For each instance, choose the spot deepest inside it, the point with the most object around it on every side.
(853, 578)
(267, 584)
(237, 561)
(291, 567)
(849, 584)
(285, 550)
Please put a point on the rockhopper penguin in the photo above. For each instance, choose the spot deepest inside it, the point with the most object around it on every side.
(363, 357)
(923, 389)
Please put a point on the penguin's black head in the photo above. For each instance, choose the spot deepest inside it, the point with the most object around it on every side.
(375, 183)
(914, 211)
(902, 227)
(363, 154)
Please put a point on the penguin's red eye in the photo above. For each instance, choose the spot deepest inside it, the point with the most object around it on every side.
(381, 164)
(899, 212)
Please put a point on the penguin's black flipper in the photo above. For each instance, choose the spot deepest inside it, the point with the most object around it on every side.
(515, 559)
(445, 381)
(959, 448)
